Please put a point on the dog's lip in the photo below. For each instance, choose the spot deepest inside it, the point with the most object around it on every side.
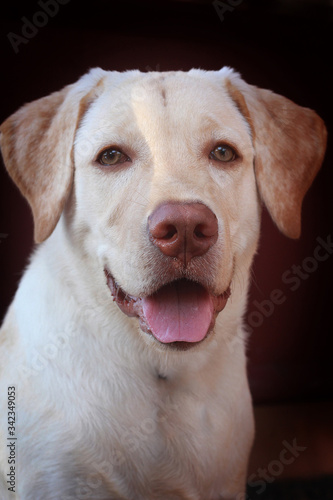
(124, 301)
(132, 306)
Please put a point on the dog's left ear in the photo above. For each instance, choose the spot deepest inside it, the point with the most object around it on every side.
(290, 143)
(36, 145)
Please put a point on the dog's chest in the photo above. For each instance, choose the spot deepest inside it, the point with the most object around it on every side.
(166, 430)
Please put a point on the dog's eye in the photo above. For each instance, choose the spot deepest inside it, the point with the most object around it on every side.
(223, 153)
(111, 157)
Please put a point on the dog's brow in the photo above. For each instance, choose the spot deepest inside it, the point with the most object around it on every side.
(163, 94)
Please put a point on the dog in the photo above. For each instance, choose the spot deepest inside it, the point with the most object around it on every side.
(124, 351)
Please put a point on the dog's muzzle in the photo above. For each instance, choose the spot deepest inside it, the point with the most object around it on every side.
(182, 310)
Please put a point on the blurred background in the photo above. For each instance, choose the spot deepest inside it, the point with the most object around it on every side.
(283, 45)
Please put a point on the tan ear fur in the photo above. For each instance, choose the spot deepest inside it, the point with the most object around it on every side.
(36, 145)
(290, 143)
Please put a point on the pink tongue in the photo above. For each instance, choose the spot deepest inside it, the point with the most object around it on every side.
(180, 311)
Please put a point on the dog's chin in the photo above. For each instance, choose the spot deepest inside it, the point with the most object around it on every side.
(179, 315)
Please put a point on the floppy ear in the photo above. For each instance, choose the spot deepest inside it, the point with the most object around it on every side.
(37, 143)
(289, 143)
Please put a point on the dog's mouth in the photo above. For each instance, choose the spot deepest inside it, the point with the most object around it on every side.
(181, 312)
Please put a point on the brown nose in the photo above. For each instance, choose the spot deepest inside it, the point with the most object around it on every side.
(183, 230)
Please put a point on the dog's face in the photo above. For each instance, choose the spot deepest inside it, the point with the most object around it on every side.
(168, 172)
(142, 152)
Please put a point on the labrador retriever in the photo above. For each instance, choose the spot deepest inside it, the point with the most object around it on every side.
(123, 354)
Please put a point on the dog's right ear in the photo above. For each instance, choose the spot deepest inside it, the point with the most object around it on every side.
(37, 143)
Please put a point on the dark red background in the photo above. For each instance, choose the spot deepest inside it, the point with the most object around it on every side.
(281, 45)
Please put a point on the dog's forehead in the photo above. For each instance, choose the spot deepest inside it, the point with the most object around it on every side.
(167, 89)
(167, 104)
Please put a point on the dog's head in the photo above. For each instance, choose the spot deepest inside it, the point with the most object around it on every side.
(157, 179)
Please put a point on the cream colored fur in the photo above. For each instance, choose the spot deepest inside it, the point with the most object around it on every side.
(95, 420)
